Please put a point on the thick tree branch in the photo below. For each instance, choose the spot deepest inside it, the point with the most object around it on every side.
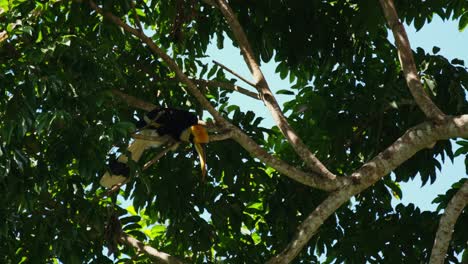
(221, 136)
(447, 223)
(407, 63)
(159, 256)
(268, 97)
(227, 86)
(415, 139)
(329, 183)
(307, 178)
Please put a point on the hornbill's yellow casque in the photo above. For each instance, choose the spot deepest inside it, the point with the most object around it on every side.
(181, 125)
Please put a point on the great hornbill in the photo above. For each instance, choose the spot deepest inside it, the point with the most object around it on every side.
(181, 125)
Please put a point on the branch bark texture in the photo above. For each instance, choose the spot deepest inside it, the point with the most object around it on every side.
(447, 223)
(408, 65)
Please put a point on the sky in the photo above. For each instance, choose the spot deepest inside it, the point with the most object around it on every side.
(444, 35)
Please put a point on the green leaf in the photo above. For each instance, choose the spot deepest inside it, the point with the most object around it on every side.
(458, 61)
(256, 206)
(130, 219)
(158, 230)
(286, 92)
(395, 187)
(39, 37)
(124, 128)
(3, 6)
(435, 49)
(212, 71)
(419, 22)
(133, 226)
(463, 22)
(460, 151)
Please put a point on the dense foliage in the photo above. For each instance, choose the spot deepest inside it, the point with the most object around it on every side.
(60, 123)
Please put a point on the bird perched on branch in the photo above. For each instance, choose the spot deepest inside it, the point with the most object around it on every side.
(181, 125)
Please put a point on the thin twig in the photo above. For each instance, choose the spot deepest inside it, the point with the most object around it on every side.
(169, 147)
(115, 188)
(447, 223)
(137, 18)
(228, 86)
(235, 74)
(408, 65)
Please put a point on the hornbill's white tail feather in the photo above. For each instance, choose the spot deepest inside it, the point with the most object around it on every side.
(136, 148)
(109, 180)
(119, 169)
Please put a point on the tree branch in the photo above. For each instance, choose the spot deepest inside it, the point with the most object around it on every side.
(307, 178)
(235, 74)
(311, 179)
(135, 14)
(150, 251)
(415, 139)
(407, 63)
(170, 146)
(268, 98)
(227, 86)
(447, 223)
(221, 136)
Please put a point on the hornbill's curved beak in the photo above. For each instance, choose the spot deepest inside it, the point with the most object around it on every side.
(200, 138)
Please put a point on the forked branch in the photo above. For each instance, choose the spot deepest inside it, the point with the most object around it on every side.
(415, 139)
(408, 65)
(268, 98)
